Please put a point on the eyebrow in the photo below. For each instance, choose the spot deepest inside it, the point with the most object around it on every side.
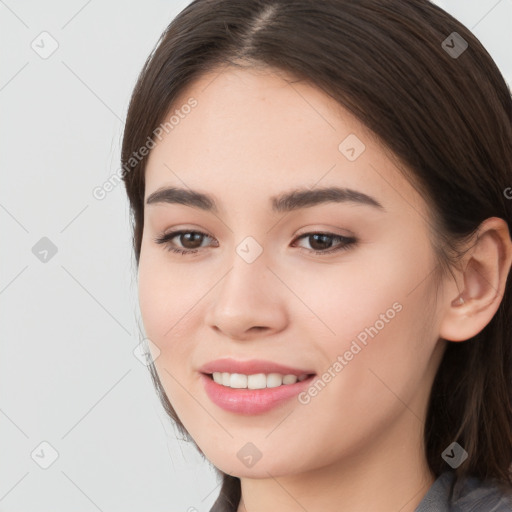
(289, 201)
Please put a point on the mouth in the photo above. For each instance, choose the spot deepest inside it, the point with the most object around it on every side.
(245, 394)
(256, 380)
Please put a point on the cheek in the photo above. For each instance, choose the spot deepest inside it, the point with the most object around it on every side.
(167, 325)
(380, 356)
(164, 301)
(342, 302)
(153, 301)
(165, 291)
(374, 317)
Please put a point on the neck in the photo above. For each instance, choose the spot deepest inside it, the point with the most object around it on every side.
(387, 474)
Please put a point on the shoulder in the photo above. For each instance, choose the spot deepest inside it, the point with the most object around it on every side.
(468, 495)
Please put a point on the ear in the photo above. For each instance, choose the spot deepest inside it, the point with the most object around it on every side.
(483, 277)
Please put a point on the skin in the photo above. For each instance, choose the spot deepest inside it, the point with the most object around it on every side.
(359, 442)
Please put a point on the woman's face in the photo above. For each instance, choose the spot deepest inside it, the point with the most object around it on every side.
(252, 288)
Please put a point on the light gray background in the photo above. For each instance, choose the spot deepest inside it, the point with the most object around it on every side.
(68, 375)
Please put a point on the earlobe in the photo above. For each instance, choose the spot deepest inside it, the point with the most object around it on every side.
(486, 267)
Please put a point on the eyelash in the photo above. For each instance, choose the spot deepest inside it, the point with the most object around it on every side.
(347, 242)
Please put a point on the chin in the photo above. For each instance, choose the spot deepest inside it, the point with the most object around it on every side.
(263, 468)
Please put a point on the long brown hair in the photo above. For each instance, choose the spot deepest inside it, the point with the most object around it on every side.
(445, 114)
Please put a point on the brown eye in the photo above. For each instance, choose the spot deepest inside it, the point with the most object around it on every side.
(320, 242)
(190, 240)
(183, 242)
(323, 243)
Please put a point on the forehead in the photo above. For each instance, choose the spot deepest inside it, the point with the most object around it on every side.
(256, 133)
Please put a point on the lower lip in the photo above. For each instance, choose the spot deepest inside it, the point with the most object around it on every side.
(251, 401)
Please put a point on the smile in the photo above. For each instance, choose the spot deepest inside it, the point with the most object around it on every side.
(252, 386)
(256, 381)
(248, 401)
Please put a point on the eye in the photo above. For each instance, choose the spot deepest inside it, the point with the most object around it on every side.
(322, 243)
(191, 242)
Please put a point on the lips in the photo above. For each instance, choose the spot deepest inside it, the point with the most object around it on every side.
(252, 401)
(251, 367)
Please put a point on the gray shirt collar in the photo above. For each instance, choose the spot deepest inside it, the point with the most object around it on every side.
(469, 495)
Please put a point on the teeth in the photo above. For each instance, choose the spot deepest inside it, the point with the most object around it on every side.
(290, 379)
(256, 381)
(274, 380)
(238, 381)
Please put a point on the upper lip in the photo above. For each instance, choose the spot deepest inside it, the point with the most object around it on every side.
(251, 367)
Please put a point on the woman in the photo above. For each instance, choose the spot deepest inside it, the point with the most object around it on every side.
(321, 204)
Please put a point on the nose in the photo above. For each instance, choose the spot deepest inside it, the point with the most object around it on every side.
(248, 302)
